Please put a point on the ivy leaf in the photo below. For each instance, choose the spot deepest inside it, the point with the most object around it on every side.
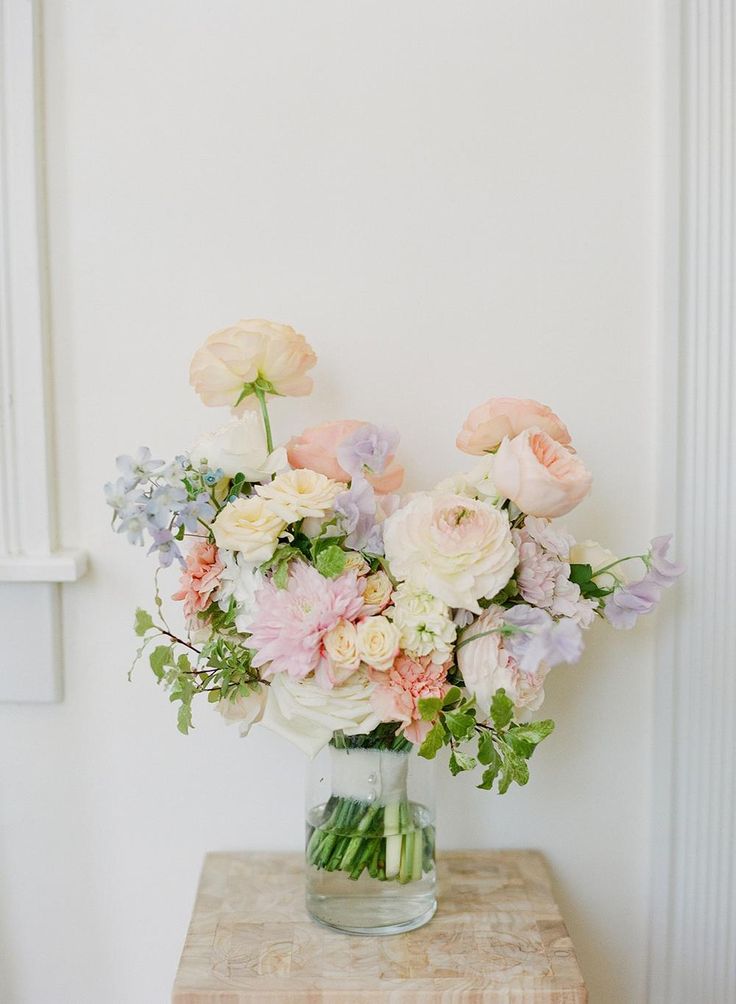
(502, 709)
(160, 658)
(433, 742)
(143, 622)
(460, 723)
(331, 561)
(429, 707)
(460, 761)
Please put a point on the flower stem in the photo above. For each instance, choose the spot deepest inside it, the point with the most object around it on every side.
(261, 395)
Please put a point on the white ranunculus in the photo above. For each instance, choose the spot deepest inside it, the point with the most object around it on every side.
(244, 711)
(302, 493)
(477, 483)
(239, 448)
(456, 548)
(240, 580)
(249, 526)
(424, 623)
(307, 715)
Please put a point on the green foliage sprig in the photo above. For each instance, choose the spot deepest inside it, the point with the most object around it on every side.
(503, 745)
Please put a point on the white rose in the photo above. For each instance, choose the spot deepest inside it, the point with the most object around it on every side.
(355, 562)
(378, 642)
(248, 525)
(239, 447)
(590, 552)
(245, 711)
(341, 645)
(424, 623)
(302, 493)
(308, 715)
(377, 593)
(456, 548)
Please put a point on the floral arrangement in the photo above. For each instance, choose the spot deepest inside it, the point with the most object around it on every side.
(320, 604)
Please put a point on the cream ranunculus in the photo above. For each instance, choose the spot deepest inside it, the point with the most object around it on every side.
(341, 646)
(424, 623)
(244, 711)
(249, 526)
(457, 549)
(239, 447)
(306, 714)
(248, 351)
(539, 475)
(377, 593)
(378, 642)
(298, 494)
(355, 562)
(476, 483)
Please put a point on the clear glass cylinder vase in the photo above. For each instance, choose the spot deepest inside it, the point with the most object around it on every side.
(370, 862)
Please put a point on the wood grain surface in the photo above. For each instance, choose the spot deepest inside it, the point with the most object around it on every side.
(497, 936)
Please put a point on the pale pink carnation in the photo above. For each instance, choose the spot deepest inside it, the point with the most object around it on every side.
(200, 578)
(543, 579)
(550, 537)
(288, 625)
(400, 688)
(536, 575)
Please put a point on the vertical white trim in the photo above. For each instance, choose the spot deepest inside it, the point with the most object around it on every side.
(693, 944)
(28, 536)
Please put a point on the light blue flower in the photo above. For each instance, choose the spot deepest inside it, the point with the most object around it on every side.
(138, 468)
(166, 547)
(164, 503)
(192, 514)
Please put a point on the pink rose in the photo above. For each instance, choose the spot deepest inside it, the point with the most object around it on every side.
(316, 449)
(246, 351)
(542, 477)
(489, 423)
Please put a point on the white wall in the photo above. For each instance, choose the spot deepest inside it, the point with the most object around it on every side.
(451, 201)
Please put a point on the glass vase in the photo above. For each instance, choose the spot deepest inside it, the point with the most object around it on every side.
(370, 865)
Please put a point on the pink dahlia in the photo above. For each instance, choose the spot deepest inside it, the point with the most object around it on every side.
(200, 578)
(288, 625)
(399, 689)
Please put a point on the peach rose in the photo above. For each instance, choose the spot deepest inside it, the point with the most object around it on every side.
(542, 477)
(316, 449)
(501, 417)
(242, 353)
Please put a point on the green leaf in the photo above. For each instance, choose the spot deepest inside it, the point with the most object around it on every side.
(214, 696)
(532, 732)
(433, 742)
(580, 574)
(460, 723)
(281, 575)
(502, 709)
(160, 658)
(486, 749)
(429, 707)
(460, 761)
(490, 774)
(143, 622)
(331, 561)
(183, 664)
(452, 696)
(184, 718)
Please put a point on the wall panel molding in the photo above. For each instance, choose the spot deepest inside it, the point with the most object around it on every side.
(693, 927)
(29, 551)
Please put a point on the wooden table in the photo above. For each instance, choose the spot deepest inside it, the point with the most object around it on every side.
(497, 936)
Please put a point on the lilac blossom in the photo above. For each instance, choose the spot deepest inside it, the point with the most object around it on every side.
(540, 639)
(369, 448)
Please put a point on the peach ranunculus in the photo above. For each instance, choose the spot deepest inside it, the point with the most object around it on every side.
(488, 424)
(316, 448)
(200, 578)
(249, 351)
(398, 692)
(538, 474)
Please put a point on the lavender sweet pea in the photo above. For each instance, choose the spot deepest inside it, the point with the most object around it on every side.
(367, 449)
(538, 638)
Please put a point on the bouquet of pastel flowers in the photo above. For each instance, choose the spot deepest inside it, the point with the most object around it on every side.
(321, 604)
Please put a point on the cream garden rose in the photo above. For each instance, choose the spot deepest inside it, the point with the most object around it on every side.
(299, 494)
(239, 447)
(542, 477)
(250, 526)
(378, 642)
(341, 646)
(590, 552)
(355, 562)
(377, 592)
(457, 549)
(244, 711)
(248, 351)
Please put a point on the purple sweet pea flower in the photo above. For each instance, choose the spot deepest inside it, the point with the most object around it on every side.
(356, 510)
(368, 448)
(166, 547)
(662, 571)
(541, 639)
(625, 605)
